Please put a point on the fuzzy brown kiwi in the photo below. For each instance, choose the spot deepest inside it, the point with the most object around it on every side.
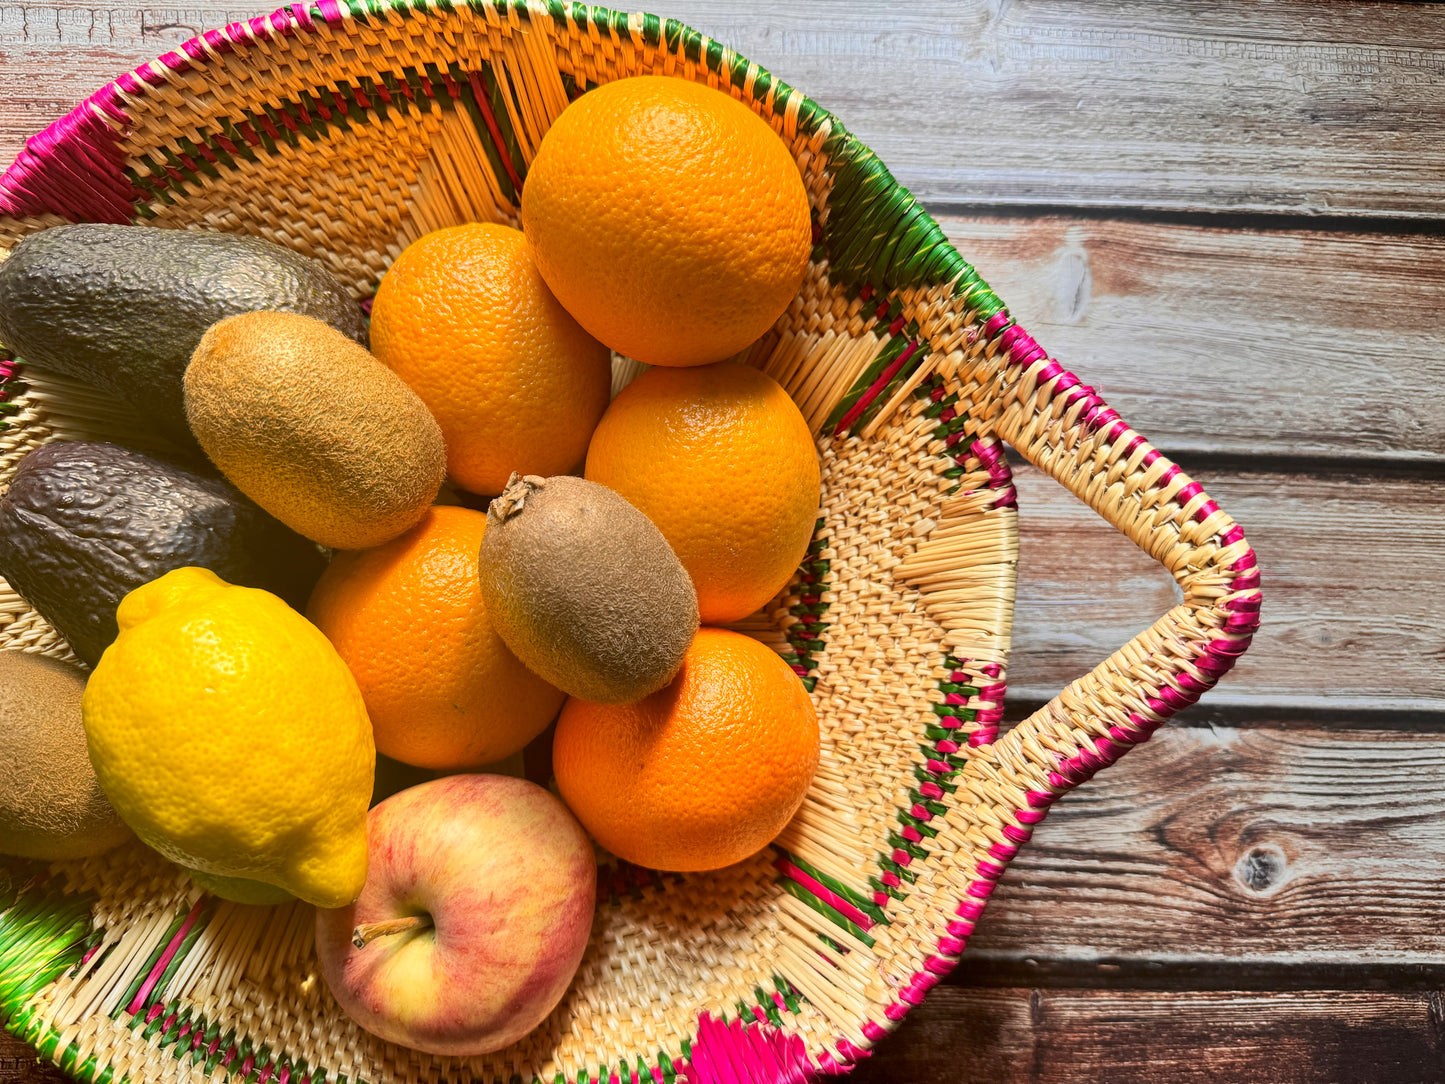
(584, 589)
(313, 428)
(51, 805)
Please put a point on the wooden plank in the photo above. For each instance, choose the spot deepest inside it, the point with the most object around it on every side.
(1013, 1036)
(1002, 1036)
(19, 1065)
(1291, 343)
(1353, 567)
(1213, 847)
(54, 55)
(1286, 107)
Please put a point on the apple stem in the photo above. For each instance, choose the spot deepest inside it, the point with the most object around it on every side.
(368, 932)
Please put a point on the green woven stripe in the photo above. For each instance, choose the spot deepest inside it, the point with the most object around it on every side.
(803, 635)
(168, 175)
(792, 888)
(857, 899)
(484, 132)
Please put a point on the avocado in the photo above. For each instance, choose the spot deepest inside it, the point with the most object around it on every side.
(123, 307)
(585, 589)
(85, 523)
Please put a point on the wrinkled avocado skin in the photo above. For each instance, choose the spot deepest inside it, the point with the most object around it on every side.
(123, 307)
(83, 524)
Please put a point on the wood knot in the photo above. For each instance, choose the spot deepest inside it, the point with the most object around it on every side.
(1261, 868)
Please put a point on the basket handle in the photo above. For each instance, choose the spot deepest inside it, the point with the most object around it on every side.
(1065, 429)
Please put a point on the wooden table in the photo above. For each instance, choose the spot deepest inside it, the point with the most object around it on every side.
(1231, 218)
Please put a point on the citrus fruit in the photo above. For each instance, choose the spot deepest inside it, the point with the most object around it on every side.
(700, 774)
(464, 318)
(722, 461)
(230, 736)
(442, 689)
(668, 218)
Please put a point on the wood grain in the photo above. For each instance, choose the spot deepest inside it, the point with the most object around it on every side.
(1014, 1036)
(1219, 846)
(19, 1064)
(1293, 343)
(1353, 567)
(1283, 107)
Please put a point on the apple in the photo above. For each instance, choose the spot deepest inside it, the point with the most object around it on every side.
(477, 908)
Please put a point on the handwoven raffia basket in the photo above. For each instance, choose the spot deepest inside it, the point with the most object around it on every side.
(348, 129)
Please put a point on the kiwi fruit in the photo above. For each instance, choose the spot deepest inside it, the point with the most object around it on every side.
(584, 589)
(51, 805)
(314, 429)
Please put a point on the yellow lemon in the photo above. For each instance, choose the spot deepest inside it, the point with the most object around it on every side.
(230, 736)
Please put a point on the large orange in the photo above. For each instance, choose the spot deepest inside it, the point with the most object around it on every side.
(669, 218)
(700, 774)
(722, 461)
(465, 319)
(441, 688)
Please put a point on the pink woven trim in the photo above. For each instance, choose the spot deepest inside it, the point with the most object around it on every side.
(739, 1053)
(75, 168)
(1000, 475)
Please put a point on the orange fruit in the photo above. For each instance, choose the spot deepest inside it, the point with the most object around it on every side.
(700, 774)
(466, 321)
(442, 689)
(722, 461)
(669, 218)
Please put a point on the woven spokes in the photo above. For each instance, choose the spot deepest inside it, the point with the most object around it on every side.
(348, 132)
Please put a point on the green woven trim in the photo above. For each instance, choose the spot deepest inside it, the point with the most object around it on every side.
(43, 935)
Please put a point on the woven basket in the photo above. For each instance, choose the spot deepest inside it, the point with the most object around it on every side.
(348, 131)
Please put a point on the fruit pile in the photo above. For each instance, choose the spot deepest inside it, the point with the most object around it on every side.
(432, 536)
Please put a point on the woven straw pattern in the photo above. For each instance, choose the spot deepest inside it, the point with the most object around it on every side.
(348, 130)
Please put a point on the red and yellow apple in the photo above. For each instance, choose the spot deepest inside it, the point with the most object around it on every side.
(477, 907)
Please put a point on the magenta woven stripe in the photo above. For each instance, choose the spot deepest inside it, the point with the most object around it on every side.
(161, 964)
(824, 893)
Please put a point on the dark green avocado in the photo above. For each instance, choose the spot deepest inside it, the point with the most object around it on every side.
(123, 307)
(83, 524)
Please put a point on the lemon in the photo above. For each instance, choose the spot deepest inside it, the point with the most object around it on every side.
(227, 732)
